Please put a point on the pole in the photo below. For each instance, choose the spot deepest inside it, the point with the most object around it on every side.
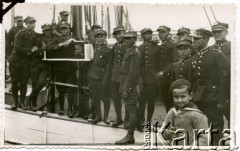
(213, 14)
(207, 16)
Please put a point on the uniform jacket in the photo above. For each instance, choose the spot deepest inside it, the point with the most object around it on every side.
(37, 55)
(100, 62)
(188, 119)
(149, 62)
(10, 39)
(211, 73)
(23, 44)
(130, 69)
(182, 70)
(168, 55)
(54, 51)
(114, 69)
(225, 47)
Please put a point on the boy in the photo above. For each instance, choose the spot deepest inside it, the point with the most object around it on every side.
(185, 115)
(181, 69)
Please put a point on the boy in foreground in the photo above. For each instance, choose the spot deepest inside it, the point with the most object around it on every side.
(186, 116)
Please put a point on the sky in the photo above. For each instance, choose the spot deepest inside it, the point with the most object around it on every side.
(140, 15)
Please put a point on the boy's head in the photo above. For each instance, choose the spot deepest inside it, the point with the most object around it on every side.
(184, 47)
(181, 91)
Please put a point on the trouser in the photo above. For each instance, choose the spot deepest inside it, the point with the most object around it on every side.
(215, 118)
(68, 78)
(165, 94)
(117, 101)
(132, 109)
(83, 103)
(99, 91)
(20, 77)
(148, 95)
(39, 80)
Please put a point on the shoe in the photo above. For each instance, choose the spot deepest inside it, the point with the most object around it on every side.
(126, 140)
(117, 123)
(61, 112)
(70, 114)
(34, 108)
(106, 121)
(97, 119)
(14, 106)
(22, 106)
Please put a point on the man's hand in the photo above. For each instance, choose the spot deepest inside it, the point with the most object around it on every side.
(170, 133)
(159, 74)
(64, 44)
(124, 95)
(34, 48)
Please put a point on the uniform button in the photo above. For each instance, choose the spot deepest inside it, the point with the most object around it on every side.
(181, 69)
(199, 67)
(198, 73)
(119, 51)
(200, 61)
(219, 47)
(201, 56)
(180, 75)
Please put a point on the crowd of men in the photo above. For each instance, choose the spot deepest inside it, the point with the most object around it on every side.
(137, 74)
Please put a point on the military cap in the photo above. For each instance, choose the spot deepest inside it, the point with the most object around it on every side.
(185, 42)
(17, 18)
(96, 25)
(179, 82)
(201, 33)
(118, 28)
(29, 19)
(100, 32)
(46, 26)
(146, 30)
(164, 28)
(64, 25)
(130, 34)
(220, 26)
(183, 30)
(64, 13)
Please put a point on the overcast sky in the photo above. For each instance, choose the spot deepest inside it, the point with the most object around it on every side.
(140, 15)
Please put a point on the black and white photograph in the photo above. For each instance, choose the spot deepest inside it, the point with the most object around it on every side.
(119, 75)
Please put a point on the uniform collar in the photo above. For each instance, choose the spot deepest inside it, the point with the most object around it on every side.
(220, 43)
(185, 60)
(121, 44)
(147, 43)
(203, 51)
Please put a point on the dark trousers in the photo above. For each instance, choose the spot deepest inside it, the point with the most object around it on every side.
(132, 109)
(39, 80)
(215, 118)
(100, 91)
(148, 96)
(165, 94)
(68, 78)
(20, 77)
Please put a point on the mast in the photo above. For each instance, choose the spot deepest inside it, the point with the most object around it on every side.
(108, 22)
(77, 21)
(12, 17)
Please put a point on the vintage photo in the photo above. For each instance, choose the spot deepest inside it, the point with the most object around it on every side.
(119, 75)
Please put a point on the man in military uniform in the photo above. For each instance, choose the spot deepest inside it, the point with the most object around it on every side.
(168, 55)
(39, 68)
(181, 68)
(114, 71)
(220, 32)
(65, 71)
(64, 18)
(99, 90)
(211, 73)
(10, 37)
(183, 32)
(90, 32)
(149, 67)
(20, 61)
(129, 87)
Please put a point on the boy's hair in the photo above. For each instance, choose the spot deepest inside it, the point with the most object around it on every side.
(179, 84)
(183, 87)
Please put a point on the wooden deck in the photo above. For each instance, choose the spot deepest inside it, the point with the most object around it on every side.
(27, 127)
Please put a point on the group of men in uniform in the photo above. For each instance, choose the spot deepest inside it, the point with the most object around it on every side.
(136, 74)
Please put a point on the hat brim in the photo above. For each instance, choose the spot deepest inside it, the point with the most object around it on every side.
(117, 31)
(182, 32)
(46, 29)
(184, 43)
(162, 29)
(195, 36)
(218, 29)
(65, 27)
